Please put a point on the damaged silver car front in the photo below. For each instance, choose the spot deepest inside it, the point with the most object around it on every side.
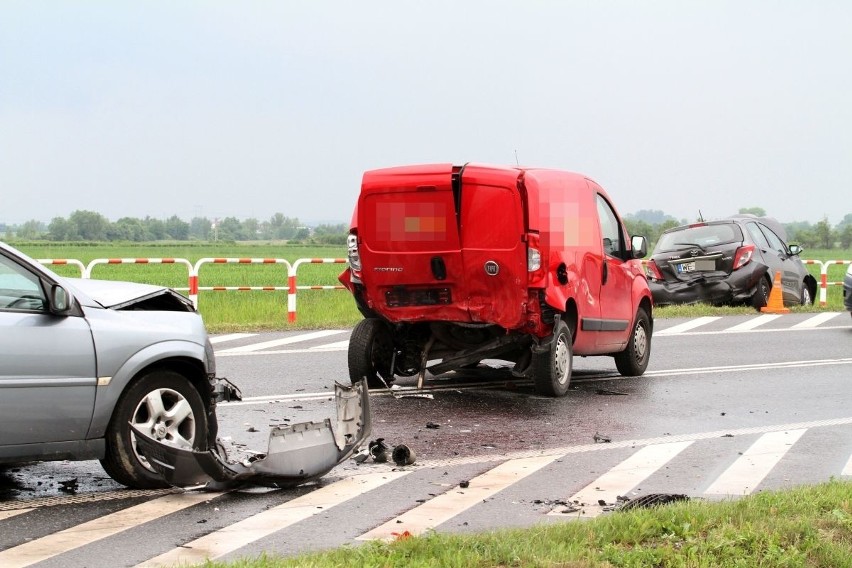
(297, 453)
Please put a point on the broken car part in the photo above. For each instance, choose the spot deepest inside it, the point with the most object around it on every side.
(297, 454)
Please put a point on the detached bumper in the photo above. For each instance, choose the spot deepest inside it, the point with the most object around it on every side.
(709, 287)
(297, 453)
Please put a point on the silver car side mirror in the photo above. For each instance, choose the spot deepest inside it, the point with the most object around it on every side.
(61, 300)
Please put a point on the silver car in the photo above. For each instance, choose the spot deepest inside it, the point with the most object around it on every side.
(82, 360)
(125, 373)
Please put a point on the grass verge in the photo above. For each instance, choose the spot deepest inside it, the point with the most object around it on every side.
(800, 527)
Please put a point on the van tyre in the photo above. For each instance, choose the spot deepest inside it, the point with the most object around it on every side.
(164, 404)
(370, 353)
(552, 370)
(633, 361)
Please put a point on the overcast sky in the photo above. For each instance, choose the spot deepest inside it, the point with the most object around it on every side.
(244, 109)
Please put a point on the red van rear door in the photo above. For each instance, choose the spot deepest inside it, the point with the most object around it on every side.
(410, 249)
(494, 253)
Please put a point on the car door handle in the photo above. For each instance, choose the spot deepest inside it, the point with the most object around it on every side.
(605, 272)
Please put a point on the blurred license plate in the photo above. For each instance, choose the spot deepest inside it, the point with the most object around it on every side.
(695, 265)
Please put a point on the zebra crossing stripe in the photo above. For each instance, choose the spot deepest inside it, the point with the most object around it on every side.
(686, 326)
(623, 477)
(816, 320)
(242, 533)
(230, 337)
(457, 500)
(86, 533)
(754, 322)
(847, 469)
(9, 514)
(746, 473)
(281, 341)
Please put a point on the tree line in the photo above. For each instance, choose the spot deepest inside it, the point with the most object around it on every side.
(92, 226)
(821, 235)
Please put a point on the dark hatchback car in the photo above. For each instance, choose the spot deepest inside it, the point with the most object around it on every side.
(731, 261)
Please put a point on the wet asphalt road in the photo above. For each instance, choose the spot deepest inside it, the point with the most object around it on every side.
(718, 382)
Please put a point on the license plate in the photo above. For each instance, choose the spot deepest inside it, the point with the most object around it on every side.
(695, 265)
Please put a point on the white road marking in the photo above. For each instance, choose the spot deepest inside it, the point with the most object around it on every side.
(816, 320)
(272, 398)
(622, 478)
(754, 322)
(254, 528)
(80, 535)
(686, 326)
(457, 500)
(847, 469)
(282, 341)
(12, 513)
(230, 337)
(339, 346)
(746, 473)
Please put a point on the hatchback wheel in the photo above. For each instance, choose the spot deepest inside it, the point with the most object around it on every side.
(761, 295)
(552, 370)
(633, 361)
(370, 353)
(167, 407)
(807, 300)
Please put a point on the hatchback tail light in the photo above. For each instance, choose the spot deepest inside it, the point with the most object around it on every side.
(743, 256)
(652, 270)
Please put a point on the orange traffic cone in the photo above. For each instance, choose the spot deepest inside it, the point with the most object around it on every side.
(775, 303)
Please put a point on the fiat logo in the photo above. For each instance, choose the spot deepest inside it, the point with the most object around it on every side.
(491, 268)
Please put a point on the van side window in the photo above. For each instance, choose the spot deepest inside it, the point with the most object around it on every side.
(610, 228)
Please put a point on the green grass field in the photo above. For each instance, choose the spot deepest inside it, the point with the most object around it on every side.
(267, 310)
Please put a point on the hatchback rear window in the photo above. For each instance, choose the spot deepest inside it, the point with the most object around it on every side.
(700, 235)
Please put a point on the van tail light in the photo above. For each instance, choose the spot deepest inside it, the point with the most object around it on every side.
(533, 253)
(352, 252)
(653, 271)
(743, 256)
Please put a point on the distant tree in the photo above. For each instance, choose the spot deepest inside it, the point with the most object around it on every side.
(31, 229)
(129, 229)
(230, 229)
(200, 228)
(825, 236)
(650, 216)
(251, 229)
(89, 225)
(758, 211)
(155, 228)
(176, 228)
(846, 236)
(281, 227)
(60, 229)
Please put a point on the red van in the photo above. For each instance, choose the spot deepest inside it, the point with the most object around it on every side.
(451, 265)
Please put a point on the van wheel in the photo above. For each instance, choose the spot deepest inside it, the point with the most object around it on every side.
(633, 361)
(761, 295)
(370, 353)
(552, 370)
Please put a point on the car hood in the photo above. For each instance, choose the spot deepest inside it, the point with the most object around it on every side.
(119, 295)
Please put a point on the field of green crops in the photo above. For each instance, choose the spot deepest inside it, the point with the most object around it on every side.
(225, 310)
(265, 310)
